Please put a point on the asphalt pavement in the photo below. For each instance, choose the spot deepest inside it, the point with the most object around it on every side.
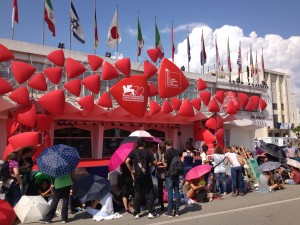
(278, 208)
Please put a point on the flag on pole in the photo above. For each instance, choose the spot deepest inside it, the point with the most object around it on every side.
(114, 34)
(173, 46)
(140, 40)
(263, 63)
(49, 16)
(218, 63)
(95, 29)
(188, 48)
(15, 14)
(228, 57)
(203, 53)
(239, 61)
(158, 43)
(75, 25)
(251, 62)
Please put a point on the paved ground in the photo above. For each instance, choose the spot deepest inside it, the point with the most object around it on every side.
(281, 207)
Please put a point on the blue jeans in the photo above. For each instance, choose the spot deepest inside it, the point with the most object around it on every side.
(13, 194)
(173, 185)
(237, 176)
(221, 176)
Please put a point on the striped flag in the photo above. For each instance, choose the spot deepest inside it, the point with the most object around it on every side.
(251, 62)
(95, 29)
(140, 40)
(49, 16)
(228, 57)
(15, 14)
(203, 53)
(75, 25)
(263, 63)
(188, 48)
(218, 63)
(239, 61)
(158, 43)
(173, 46)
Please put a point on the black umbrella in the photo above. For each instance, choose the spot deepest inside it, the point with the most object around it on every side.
(274, 150)
(89, 188)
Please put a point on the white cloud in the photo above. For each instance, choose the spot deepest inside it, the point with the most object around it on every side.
(282, 55)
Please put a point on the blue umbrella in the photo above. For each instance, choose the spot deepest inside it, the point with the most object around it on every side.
(268, 166)
(58, 160)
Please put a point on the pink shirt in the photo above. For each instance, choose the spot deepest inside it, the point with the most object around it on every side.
(13, 164)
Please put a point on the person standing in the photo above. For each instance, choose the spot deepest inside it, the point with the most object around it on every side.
(127, 187)
(172, 182)
(290, 151)
(188, 158)
(219, 162)
(26, 164)
(61, 190)
(204, 156)
(141, 159)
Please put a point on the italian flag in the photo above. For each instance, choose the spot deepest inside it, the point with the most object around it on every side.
(49, 16)
(158, 43)
(140, 40)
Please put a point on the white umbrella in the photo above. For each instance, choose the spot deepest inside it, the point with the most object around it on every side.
(140, 133)
(293, 163)
(31, 208)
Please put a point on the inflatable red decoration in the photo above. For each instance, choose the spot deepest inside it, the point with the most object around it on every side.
(74, 68)
(171, 80)
(95, 61)
(196, 103)
(92, 83)
(208, 137)
(9, 149)
(243, 99)
(57, 57)
(26, 115)
(154, 108)
(153, 54)
(38, 82)
(255, 101)
(22, 71)
(262, 104)
(109, 72)
(53, 74)
(149, 69)
(74, 87)
(213, 105)
(20, 96)
(24, 139)
(47, 139)
(87, 102)
(124, 66)
(5, 54)
(11, 126)
(219, 122)
(201, 85)
(166, 107)
(220, 135)
(249, 106)
(176, 103)
(57, 99)
(152, 90)
(220, 96)
(231, 109)
(43, 122)
(205, 97)
(186, 108)
(230, 97)
(132, 94)
(211, 123)
(105, 100)
(5, 87)
(38, 151)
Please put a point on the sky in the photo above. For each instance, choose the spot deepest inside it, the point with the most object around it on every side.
(271, 24)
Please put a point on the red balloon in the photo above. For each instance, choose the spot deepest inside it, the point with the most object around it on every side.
(243, 99)
(213, 105)
(22, 71)
(153, 54)
(211, 123)
(11, 126)
(95, 61)
(154, 108)
(230, 97)
(24, 139)
(249, 106)
(262, 104)
(92, 83)
(231, 109)
(5, 54)
(166, 107)
(208, 137)
(255, 101)
(74, 68)
(196, 103)
(219, 122)
(26, 115)
(124, 66)
(87, 102)
(176, 103)
(149, 69)
(57, 99)
(152, 90)
(53, 74)
(7, 213)
(43, 122)
(9, 149)
(109, 72)
(171, 80)
(220, 135)
(220, 96)
(201, 85)
(5, 87)
(74, 87)
(205, 97)
(57, 57)
(186, 109)
(38, 82)
(20, 96)
(105, 101)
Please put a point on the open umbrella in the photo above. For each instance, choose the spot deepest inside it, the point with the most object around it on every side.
(268, 166)
(31, 208)
(39, 177)
(140, 133)
(7, 213)
(273, 150)
(293, 163)
(198, 171)
(58, 160)
(89, 188)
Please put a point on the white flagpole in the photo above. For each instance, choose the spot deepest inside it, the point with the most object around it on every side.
(118, 33)
(70, 38)
(43, 35)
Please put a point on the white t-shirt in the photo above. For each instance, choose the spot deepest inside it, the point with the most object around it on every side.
(204, 158)
(233, 158)
(220, 162)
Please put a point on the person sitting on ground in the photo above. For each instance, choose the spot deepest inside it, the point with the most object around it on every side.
(190, 188)
(267, 183)
(294, 176)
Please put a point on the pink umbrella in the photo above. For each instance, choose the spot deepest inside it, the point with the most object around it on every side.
(120, 155)
(198, 171)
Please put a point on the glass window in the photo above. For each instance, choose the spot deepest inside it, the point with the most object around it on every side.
(274, 106)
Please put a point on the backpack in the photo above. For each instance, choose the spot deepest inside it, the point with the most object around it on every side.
(176, 167)
(139, 166)
(4, 171)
